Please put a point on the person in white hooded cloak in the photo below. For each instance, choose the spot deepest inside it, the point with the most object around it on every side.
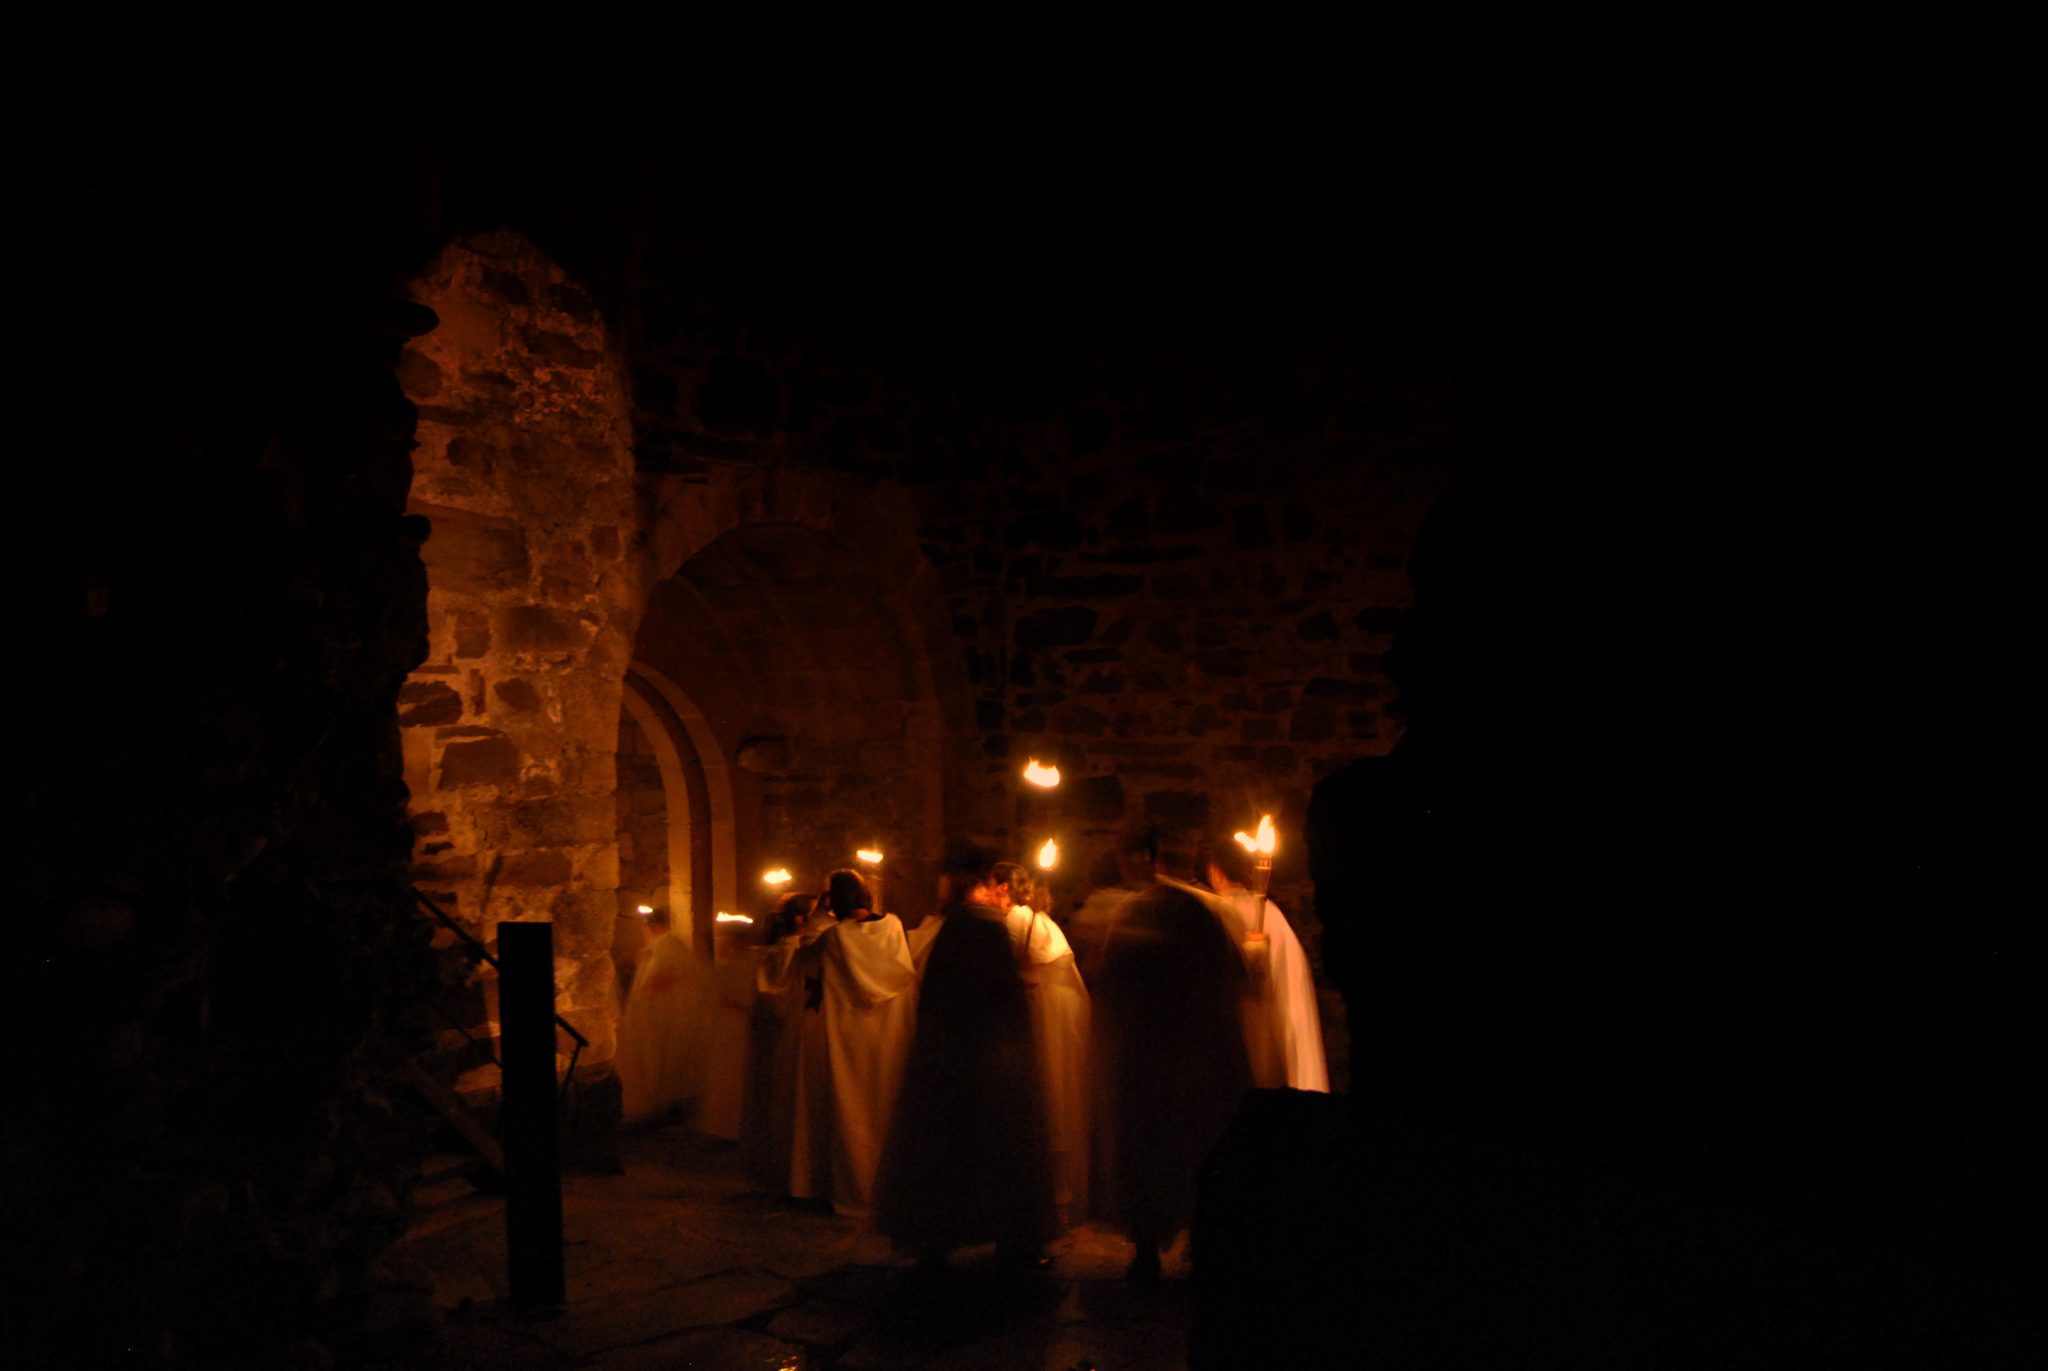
(665, 1027)
(849, 1073)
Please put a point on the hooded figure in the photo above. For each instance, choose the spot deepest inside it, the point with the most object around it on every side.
(969, 1157)
(662, 1034)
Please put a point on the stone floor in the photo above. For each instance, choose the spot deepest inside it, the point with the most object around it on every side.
(684, 1262)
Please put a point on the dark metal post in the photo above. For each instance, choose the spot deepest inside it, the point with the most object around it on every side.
(533, 1145)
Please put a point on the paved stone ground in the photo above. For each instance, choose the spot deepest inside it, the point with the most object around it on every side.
(685, 1262)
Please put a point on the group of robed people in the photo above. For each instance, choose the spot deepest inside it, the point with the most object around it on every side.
(992, 1076)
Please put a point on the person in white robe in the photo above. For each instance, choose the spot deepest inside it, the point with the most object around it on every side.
(850, 1069)
(737, 952)
(1059, 1025)
(663, 1032)
(774, 1025)
(1287, 1036)
(1134, 865)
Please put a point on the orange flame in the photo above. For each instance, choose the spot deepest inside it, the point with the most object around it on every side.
(1045, 777)
(1266, 844)
(869, 855)
(726, 918)
(779, 876)
(644, 909)
(1049, 855)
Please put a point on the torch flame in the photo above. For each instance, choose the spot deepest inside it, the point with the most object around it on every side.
(646, 909)
(1049, 855)
(1045, 777)
(1266, 844)
(779, 876)
(726, 918)
(869, 855)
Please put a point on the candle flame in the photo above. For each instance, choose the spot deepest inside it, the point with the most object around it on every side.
(1045, 777)
(1049, 855)
(869, 855)
(726, 918)
(779, 876)
(1266, 844)
(646, 909)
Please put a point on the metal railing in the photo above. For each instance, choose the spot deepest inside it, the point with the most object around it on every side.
(482, 953)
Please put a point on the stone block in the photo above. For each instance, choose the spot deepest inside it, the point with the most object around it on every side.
(1099, 799)
(765, 756)
(1377, 619)
(425, 703)
(1313, 722)
(481, 761)
(1189, 808)
(1063, 627)
(473, 554)
(540, 628)
(534, 866)
(517, 696)
(472, 634)
(1053, 528)
(1319, 627)
(1082, 721)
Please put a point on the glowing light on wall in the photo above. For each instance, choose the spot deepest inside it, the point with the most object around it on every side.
(1044, 777)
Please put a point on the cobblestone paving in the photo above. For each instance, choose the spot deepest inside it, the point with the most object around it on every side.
(683, 1262)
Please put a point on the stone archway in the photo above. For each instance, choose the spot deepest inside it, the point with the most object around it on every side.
(793, 615)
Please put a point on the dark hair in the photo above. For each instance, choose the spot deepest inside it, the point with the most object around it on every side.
(1140, 840)
(783, 920)
(1015, 877)
(848, 893)
(1229, 858)
(966, 864)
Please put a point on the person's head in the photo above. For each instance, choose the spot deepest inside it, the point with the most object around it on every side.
(789, 916)
(963, 870)
(1137, 853)
(1226, 862)
(1013, 882)
(848, 894)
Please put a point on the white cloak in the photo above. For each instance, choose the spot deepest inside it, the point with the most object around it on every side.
(1289, 993)
(851, 1067)
(662, 1034)
(1059, 1024)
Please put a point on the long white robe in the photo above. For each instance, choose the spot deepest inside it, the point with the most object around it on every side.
(1059, 1025)
(775, 1025)
(733, 974)
(850, 1073)
(662, 1034)
(1288, 996)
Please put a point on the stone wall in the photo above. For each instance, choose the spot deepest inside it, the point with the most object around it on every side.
(511, 724)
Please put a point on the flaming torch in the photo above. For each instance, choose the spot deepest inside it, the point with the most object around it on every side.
(776, 877)
(870, 861)
(1044, 777)
(1262, 847)
(1049, 855)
